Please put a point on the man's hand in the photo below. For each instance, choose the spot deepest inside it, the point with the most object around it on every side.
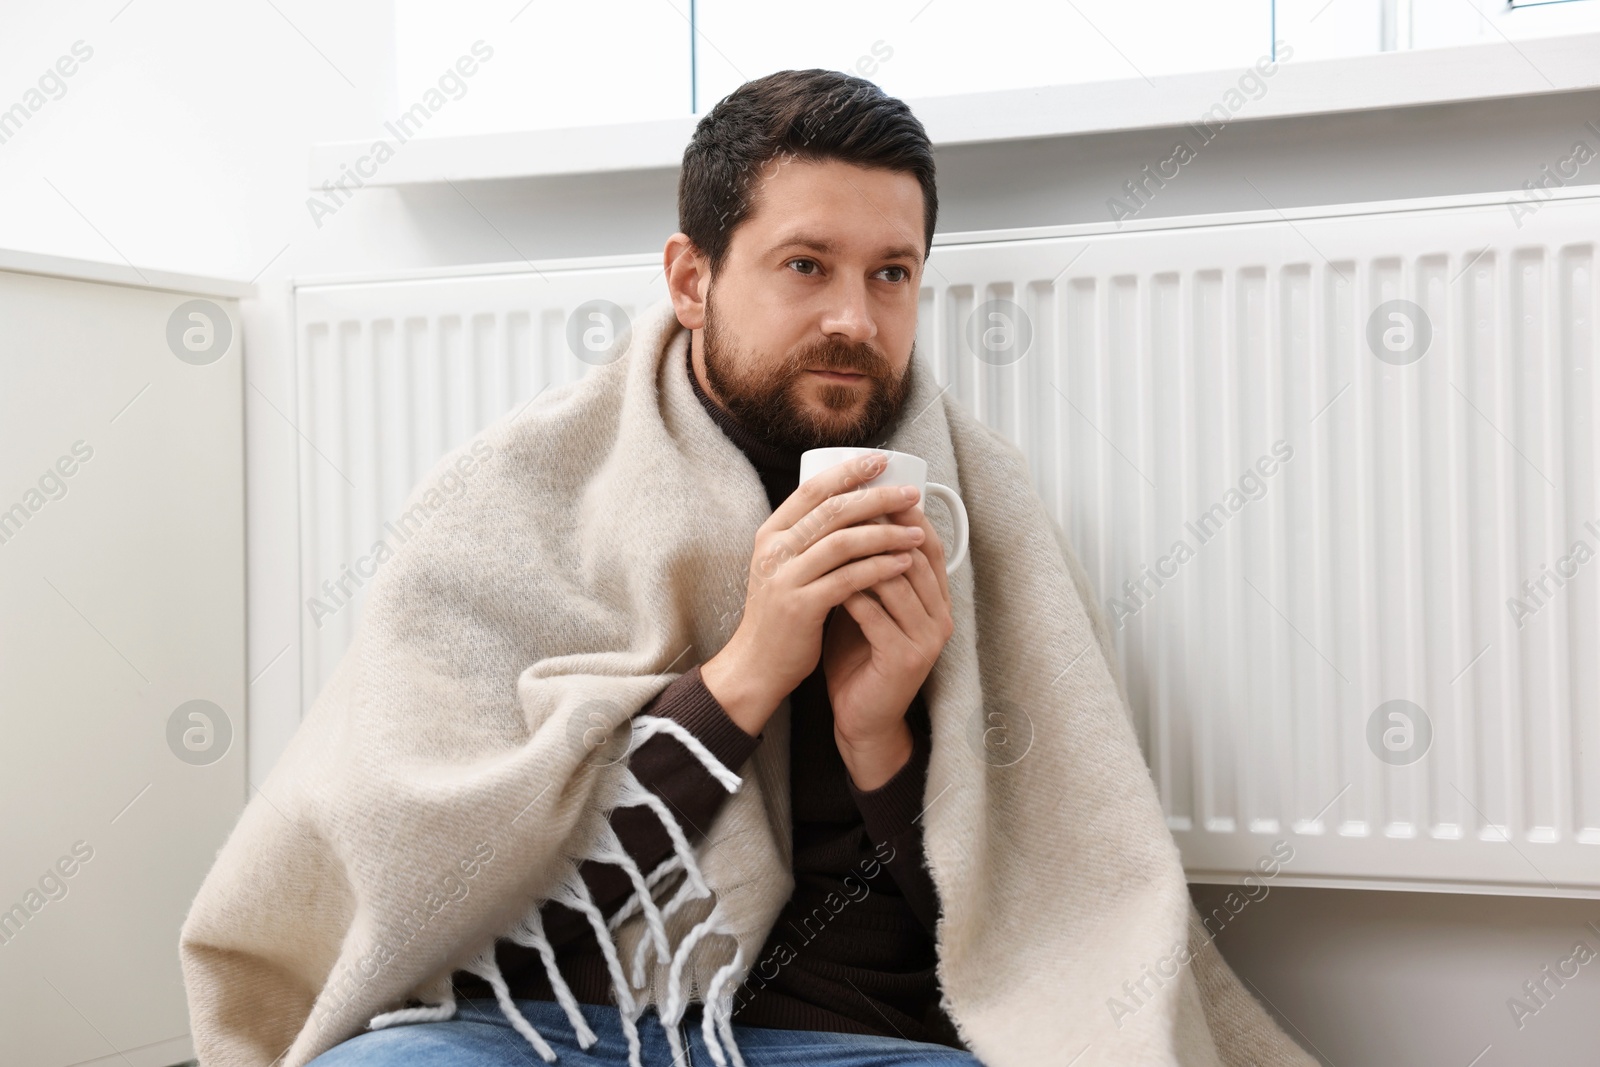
(815, 551)
(879, 651)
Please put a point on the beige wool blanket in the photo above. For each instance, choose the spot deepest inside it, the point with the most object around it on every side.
(446, 782)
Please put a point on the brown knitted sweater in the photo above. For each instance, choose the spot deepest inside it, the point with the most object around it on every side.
(852, 951)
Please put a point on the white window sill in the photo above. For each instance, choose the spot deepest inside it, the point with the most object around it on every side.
(1314, 87)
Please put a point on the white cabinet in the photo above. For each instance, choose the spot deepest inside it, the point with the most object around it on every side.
(122, 647)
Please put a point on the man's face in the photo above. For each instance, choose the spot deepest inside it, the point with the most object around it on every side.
(810, 324)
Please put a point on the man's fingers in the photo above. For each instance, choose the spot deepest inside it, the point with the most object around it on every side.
(931, 546)
(840, 547)
(876, 625)
(854, 578)
(925, 582)
(840, 478)
(914, 626)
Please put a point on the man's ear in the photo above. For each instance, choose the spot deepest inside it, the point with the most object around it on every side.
(688, 277)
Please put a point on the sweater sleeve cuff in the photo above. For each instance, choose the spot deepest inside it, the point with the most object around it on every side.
(689, 703)
(890, 809)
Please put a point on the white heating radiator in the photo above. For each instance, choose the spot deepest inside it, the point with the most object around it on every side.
(1381, 637)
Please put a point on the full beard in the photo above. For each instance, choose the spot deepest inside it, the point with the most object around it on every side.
(770, 401)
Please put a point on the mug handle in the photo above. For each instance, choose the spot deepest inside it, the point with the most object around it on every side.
(958, 513)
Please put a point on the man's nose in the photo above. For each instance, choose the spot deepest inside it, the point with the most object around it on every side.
(848, 316)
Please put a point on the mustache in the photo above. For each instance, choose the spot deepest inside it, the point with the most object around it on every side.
(840, 356)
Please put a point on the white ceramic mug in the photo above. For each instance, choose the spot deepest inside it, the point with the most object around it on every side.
(902, 469)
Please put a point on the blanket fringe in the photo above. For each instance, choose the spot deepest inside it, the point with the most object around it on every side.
(530, 934)
(431, 1013)
(683, 896)
(633, 793)
(573, 893)
(486, 967)
(631, 905)
(676, 1003)
(719, 1010)
(693, 887)
(647, 726)
(609, 850)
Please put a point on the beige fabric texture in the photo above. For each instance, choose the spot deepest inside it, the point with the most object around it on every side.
(563, 567)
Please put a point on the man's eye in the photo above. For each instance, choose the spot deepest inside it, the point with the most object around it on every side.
(809, 262)
(904, 274)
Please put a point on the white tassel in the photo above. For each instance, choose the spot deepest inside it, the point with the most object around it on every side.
(725, 1023)
(433, 1013)
(633, 1015)
(667, 866)
(684, 895)
(725, 1014)
(718, 1010)
(636, 976)
(631, 905)
(530, 934)
(575, 894)
(674, 1042)
(634, 793)
(676, 1005)
(609, 850)
(646, 726)
(690, 889)
(485, 967)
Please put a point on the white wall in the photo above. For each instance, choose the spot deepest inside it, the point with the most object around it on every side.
(182, 144)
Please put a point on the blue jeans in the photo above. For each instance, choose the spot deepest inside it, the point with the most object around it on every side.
(481, 1036)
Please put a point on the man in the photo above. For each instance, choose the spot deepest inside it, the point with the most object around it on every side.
(807, 207)
(803, 314)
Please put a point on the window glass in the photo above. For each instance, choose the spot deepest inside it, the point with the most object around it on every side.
(611, 61)
(553, 64)
(917, 48)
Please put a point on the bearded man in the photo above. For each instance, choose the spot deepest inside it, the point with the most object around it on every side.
(648, 752)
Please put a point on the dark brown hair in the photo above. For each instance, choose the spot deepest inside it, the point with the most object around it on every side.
(811, 115)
